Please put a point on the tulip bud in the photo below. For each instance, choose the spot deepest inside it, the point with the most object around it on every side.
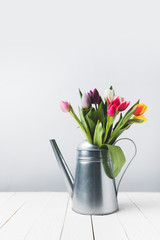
(123, 104)
(65, 106)
(95, 98)
(140, 109)
(117, 103)
(109, 95)
(111, 110)
(120, 103)
(86, 102)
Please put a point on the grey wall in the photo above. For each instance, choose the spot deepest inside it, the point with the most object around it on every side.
(48, 49)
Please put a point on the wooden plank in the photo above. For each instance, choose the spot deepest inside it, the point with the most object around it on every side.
(9, 207)
(149, 205)
(76, 226)
(39, 216)
(108, 227)
(5, 196)
(135, 224)
(18, 215)
(50, 222)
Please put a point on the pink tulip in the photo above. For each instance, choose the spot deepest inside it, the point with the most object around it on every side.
(65, 106)
(117, 103)
(123, 104)
(111, 110)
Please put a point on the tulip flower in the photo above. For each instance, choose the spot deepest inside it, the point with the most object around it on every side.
(117, 103)
(123, 104)
(140, 109)
(95, 98)
(111, 110)
(65, 106)
(86, 101)
(141, 117)
(109, 95)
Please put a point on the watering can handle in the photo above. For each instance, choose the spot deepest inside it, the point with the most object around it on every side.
(129, 161)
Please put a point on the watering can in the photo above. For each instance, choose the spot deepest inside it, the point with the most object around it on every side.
(93, 190)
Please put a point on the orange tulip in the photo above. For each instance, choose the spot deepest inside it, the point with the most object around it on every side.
(141, 117)
(140, 109)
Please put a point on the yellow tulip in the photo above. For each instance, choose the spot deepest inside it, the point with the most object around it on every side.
(141, 117)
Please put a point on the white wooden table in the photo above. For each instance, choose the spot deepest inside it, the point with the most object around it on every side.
(48, 216)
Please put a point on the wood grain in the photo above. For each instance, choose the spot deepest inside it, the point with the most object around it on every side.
(48, 216)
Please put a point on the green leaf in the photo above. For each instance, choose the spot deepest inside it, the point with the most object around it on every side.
(135, 121)
(92, 114)
(85, 125)
(90, 121)
(104, 106)
(85, 111)
(80, 93)
(110, 121)
(117, 157)
(118, 133)
(118, 121)
(107, 164)
(100, 113)
(122, 121)
(109, 133)
(132, 107)
(128, 116)
(98, 134)
(82, 118)
(78, 121)
(121, 126)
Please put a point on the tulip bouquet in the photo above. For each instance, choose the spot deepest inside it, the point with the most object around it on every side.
(97, 120)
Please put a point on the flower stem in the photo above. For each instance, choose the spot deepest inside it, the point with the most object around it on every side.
(107, 129)
(72, 113)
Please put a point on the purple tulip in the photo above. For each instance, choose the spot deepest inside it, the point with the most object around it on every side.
(95, 98)
(86, 102)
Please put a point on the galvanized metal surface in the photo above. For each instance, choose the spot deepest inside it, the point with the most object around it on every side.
(68, 178)
(94, 190)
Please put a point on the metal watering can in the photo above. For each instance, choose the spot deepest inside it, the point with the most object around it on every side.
(94, 190)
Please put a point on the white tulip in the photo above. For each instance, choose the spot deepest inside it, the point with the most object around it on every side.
(109, 93)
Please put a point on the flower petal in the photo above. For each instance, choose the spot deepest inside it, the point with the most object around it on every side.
(111, 110)
(141, 117)
(140, 109)
(65, 106)
(116, 101)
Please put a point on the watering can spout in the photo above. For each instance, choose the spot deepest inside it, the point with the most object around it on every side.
(69, 181)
